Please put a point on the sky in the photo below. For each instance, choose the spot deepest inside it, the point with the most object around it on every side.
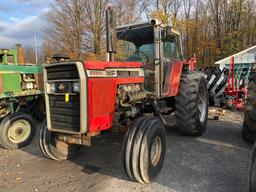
(21, 20)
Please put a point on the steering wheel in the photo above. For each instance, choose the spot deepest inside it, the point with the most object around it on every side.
(143, 55)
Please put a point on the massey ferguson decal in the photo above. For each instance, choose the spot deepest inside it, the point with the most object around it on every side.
(113, 72)
(100, 73)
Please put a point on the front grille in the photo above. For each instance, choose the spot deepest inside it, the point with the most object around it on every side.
(68, 71)
(65, 115)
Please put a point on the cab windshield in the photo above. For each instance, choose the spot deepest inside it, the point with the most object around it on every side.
(145, 53)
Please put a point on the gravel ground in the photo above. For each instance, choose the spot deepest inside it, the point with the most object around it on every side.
(216, 162)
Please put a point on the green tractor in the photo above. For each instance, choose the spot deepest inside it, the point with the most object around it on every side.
(21, 96)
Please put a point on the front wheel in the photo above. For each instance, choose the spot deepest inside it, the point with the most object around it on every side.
(144, 149)
(52, 148)
(191, 104)
(17, 130)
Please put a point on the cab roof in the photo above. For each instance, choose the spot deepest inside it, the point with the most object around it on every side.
(140, 33)
(137, 33)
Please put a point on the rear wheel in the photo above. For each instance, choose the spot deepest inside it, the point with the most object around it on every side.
(17, 130)
(52, 148)
(144, 149)
(192, 104)
(249, 127)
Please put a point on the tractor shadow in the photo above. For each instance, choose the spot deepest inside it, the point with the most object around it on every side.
(218, 159)
(103, 157)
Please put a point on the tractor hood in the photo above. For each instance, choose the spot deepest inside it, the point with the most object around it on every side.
(102, 65)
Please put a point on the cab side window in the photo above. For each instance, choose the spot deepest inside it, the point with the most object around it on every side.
(172, 48)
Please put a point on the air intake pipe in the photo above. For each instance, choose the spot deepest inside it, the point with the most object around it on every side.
(111, 33)
(20, 51)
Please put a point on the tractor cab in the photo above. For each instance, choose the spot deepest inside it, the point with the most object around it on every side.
(158, 47)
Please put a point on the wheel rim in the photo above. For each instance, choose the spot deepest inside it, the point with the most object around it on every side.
(4, 111)
(19, 131)
(156, 150)
(202, 104)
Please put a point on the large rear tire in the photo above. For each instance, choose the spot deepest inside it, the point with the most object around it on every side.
(191, 104)
(144, 149)
(52, 148)
(17, 130)
(249, 126)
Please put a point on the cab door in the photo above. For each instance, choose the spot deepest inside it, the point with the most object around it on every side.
(171, 66)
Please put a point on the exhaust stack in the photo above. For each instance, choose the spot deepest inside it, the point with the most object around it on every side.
(21, 58)
(111, 33)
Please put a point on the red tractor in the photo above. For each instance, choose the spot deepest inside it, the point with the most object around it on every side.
(86, 98)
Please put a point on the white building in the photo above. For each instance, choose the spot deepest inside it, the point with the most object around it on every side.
(243, 59)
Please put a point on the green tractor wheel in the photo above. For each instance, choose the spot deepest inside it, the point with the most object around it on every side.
(16, 130)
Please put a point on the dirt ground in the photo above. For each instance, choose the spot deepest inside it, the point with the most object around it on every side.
(215, 162)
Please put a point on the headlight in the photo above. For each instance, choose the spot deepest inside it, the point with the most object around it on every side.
(52, 87)
(76, 86)
(29, 86)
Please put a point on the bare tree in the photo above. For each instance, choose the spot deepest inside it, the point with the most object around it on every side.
(129, 11)
(187, 4)
(66, 27)
(95, 23)
(212, 29)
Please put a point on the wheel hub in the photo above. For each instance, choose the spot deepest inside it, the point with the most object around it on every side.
(19, 131)
(156, 150)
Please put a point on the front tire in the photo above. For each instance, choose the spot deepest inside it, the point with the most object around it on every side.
(144, 149)
(17, 130)
(52, 148)
(191, 104)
